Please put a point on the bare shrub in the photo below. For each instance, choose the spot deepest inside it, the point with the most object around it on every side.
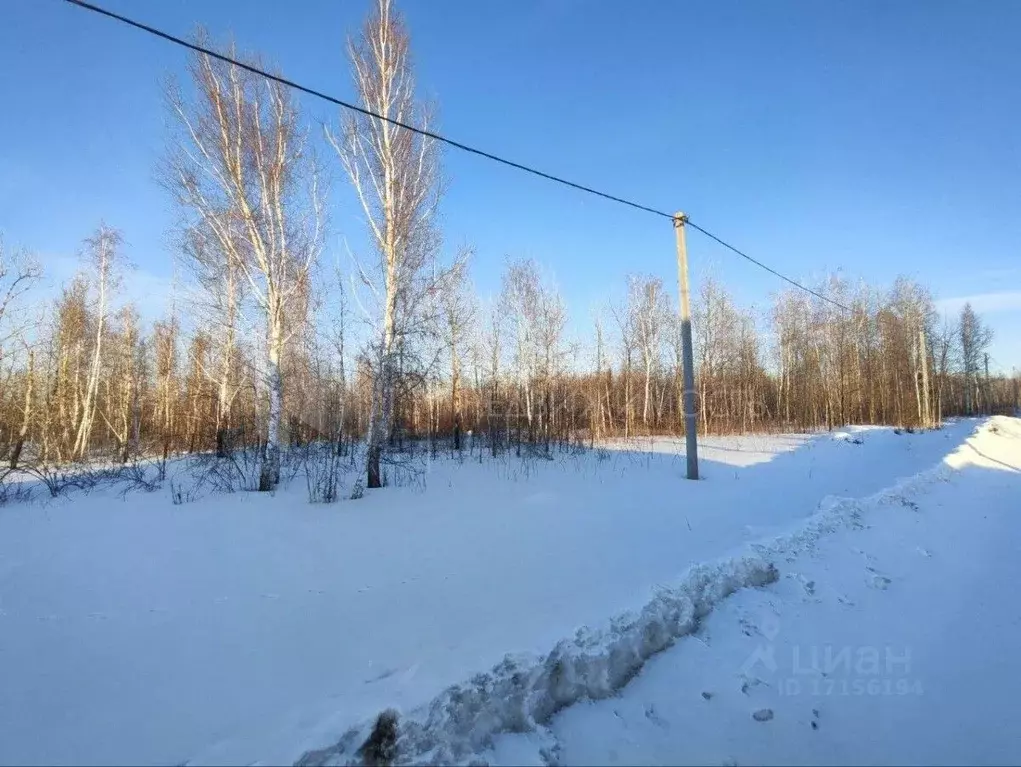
(12, 491)
(293, 459)
(59, 479)
(358, 491)
(237, 470)
(181, 494)
(404, 470)
(146, 475)
(322, 474)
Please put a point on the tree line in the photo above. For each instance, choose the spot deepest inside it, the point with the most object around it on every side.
(266, 350)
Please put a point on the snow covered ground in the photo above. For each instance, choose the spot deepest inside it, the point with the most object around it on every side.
(244, 628)
(893, 640)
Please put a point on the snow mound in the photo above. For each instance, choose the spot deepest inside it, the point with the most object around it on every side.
(522, 693)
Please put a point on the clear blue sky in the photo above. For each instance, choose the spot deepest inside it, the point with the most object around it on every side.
(875, 137)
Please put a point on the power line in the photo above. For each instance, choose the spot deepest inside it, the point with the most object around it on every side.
(429, 134)
(758, 263)
(354, 107)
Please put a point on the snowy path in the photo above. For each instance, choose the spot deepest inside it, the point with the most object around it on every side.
(893, 644)
(249, 628)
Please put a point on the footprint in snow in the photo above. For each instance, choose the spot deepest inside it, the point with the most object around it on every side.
(808, 586)
(875, 578)
(763, 715)
(749, 683)
(652, 716)
(877, 581)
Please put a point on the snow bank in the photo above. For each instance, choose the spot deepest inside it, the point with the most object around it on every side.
(905, 601)
(522, 693)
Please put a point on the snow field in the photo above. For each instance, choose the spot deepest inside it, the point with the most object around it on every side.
(245, 628)
(889, 638)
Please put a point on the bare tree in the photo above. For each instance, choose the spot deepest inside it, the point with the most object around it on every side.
(18, 274)
(164, 345)
(220, 297)
(243, 172)
(492, 341)
(519, 308)
(395, 175)
(124, 381)
(943, 354)
(597, 407)
(27, 412)
(626, 332)
(647, 304)
(715, 322)
(103, 253)
(458, 309)
(552, 317)
(974, 339)
(340, 345)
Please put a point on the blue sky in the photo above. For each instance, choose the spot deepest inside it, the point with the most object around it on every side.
(877, 138)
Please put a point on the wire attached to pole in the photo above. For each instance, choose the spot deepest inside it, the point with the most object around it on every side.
(435, 136)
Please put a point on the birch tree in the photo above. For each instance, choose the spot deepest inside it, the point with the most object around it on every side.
(974, 338)
(492, 343)
(458, 310)
(164, 345)
(103, 253)
(519, 307)
(394, 172)
(244, 175)
(624, 319)
(124, 381)
(647, 303)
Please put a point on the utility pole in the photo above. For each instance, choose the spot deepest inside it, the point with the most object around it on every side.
(923, 353)
(684, 294)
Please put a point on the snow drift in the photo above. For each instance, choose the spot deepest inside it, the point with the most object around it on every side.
(522, 693)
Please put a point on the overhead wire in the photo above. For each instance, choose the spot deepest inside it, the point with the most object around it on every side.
(761, 265)
(197, 48)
